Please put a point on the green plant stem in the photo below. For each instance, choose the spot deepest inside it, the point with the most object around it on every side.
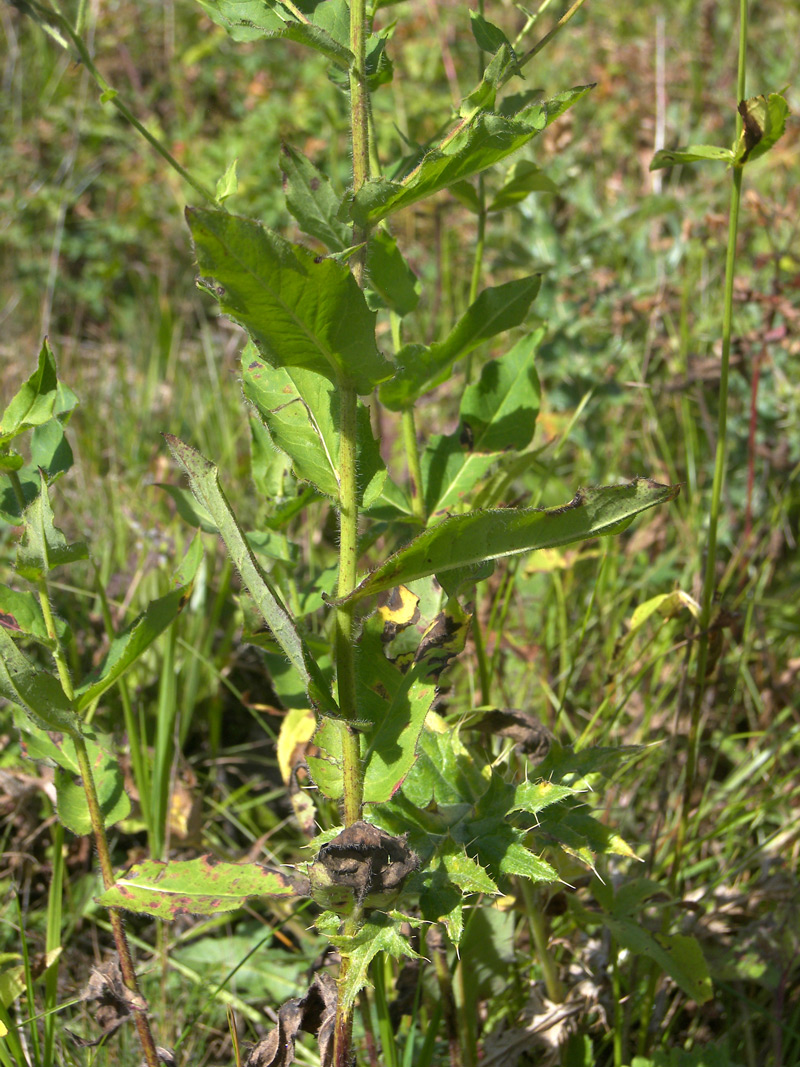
(414, 468)
(709, 578)
(107, 871)
(111, 97)
(553, 984)
(352, 770)
(101, 844)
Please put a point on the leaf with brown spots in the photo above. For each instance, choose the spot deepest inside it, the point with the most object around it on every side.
(203, 886)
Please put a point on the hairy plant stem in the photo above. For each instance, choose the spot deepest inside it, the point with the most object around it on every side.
(352, 771)
(101, 842)
(709, 578)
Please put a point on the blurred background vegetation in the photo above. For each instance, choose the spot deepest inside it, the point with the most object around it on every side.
(95, 254)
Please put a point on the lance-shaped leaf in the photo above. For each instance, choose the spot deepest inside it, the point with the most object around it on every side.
(35, 402)
(497, 411)
(465, 540)
(482, 141)
(496, 310)
(302, 411)
(130, 643)
(36, 691)
(301, 310)
(693, 153)
(205, 485)
(253, 20)
(523, 178)
(203, 886)
(43, 546)
(391, 282)
(312, 201)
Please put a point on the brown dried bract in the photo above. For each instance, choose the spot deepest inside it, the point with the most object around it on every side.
(314, 1013)
(530, 736)
(366, 860)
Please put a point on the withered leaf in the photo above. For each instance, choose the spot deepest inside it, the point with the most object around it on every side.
(116, 1002)
(314, 1013)
(531, 737)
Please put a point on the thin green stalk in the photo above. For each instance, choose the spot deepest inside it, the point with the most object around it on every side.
(101, 844)
(109, 95)
(414, 468)
(53, 941)
(388, 1046)
(127, 968)
(538, 928)
(709, 579)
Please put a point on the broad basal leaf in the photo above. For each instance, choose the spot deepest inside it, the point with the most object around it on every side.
(205, 485)
(203, 886)
(469, 539)
(480, 143)
(301, 310)
(496, 310)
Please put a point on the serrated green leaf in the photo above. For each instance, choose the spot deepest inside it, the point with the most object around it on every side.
(483, 141)
(300, 310)
(253, 20)
(36, 691)
(312, 201)
(379, 934)
(203, 478)
(463, 870)
(469, 539)
(301, 409)
(694, 153)
(43, 546)
(496, 310)
(533, 797)
(203, 886)
(497, 412)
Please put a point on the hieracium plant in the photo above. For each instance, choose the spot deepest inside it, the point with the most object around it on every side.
(430, 823)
